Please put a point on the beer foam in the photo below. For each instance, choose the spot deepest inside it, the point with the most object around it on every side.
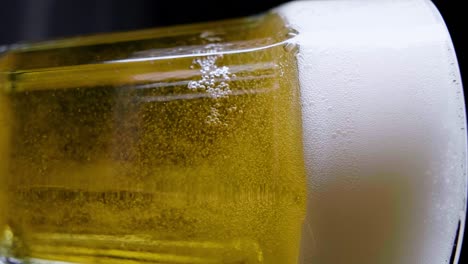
(384, 131)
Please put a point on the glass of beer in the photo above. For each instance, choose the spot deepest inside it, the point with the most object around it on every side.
(328, 132)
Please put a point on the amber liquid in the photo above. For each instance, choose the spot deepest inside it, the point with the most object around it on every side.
(122, 149)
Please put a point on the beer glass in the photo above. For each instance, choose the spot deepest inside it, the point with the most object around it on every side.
(320, 132)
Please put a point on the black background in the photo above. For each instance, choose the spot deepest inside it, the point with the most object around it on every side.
(33, 20)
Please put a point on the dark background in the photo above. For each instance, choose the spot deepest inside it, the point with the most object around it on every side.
(33, 20)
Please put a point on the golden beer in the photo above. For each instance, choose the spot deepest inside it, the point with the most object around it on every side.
(172, 145)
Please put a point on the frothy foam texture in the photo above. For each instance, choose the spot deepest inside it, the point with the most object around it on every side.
(384, 131)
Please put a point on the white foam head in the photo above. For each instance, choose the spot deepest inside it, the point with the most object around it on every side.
(384, 131)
